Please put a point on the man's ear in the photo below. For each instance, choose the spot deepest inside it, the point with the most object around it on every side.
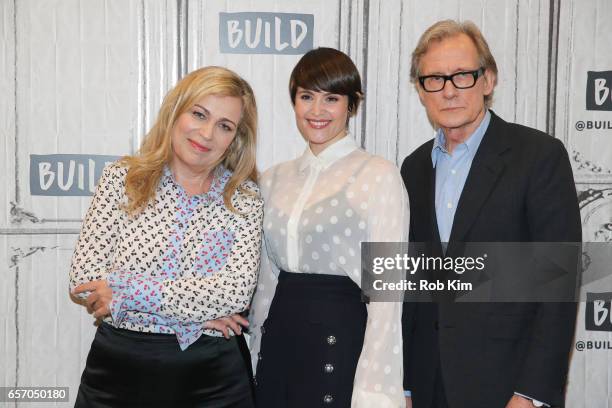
(490, 80)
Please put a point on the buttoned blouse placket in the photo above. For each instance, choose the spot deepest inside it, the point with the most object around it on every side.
(185, 208)
(294, 219)
(187, 333)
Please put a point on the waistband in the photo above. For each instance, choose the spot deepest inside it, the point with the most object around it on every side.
(318, 286)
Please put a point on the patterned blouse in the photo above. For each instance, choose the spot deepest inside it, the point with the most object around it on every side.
(180, 262)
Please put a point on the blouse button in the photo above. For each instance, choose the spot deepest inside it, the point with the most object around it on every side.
(331, 340)
(328, 399)
(328, 368)
(263, 330)
(259, 356)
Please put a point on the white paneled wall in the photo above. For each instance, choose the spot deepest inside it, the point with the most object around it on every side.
(584, 45)
(584, 42)
(77, 77)
(88, 76)
(7, 101)
(8, 316)
(590, 382)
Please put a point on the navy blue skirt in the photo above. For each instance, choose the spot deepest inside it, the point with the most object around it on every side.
(311, 342)
(133, 369)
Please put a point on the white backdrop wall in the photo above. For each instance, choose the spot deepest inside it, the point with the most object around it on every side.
(87, 77)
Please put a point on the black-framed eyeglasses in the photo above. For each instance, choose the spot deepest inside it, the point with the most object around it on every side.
(460, 80)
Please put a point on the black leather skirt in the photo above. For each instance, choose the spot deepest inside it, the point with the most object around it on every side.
(311, 342)
(133, 369)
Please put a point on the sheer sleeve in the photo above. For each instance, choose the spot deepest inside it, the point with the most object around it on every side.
(379, 376)
(266, 287)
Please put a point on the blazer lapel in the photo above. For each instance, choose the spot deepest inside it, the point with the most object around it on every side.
(431, 205)
(433, 246)
(482, 178)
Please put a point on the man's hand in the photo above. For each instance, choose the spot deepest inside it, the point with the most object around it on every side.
(408, 402)
(98, 301)
(223, 324)
(519, 402)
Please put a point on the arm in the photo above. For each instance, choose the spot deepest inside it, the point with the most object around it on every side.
(197, 300)
(95, 248)
(266, 287)
(553, 216)
(379, 376)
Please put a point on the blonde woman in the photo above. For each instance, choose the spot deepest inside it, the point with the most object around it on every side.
(171, 240)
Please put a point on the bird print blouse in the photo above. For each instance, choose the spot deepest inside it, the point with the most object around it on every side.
(178, 263)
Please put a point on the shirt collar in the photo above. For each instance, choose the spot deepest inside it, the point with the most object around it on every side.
(221, 176)
(328, 156)
(471, 143)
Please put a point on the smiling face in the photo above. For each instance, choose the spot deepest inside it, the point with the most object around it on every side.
(202, 133)
(458, 112)
(321, 117)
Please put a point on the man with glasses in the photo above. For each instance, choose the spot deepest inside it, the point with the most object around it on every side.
(482, 179)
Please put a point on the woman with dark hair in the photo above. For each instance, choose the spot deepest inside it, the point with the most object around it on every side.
(171, 242)
(313, 340)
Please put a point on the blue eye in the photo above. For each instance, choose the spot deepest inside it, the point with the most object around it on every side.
(305, 97)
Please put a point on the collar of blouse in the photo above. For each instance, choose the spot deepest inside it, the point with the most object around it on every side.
(220, 177)
(328, 156)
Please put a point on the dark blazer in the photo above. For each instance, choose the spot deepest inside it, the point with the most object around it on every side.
(520, 188)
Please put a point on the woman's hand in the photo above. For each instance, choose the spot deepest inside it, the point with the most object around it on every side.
(98, 301)
(223, 324)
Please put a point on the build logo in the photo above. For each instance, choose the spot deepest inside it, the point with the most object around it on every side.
(598, 91)
(598, 314)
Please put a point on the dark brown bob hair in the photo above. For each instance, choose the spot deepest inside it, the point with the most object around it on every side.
(327, 70)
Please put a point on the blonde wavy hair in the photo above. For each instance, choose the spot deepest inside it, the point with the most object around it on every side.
(145, 168)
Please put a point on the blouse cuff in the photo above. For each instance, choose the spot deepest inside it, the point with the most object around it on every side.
(145, 295)
(133, 294)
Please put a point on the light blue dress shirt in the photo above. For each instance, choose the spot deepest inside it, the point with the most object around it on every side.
(451, 173)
